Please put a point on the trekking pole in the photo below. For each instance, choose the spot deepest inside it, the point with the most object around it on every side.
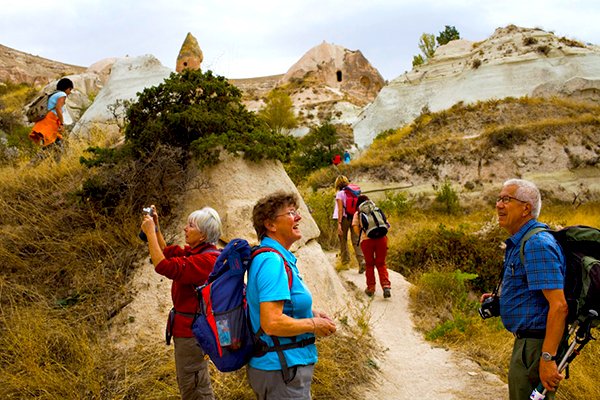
(582, 337)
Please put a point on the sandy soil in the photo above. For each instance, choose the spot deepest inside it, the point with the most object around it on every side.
(410, 367)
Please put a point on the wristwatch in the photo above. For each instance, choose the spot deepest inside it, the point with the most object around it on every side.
(547, 356)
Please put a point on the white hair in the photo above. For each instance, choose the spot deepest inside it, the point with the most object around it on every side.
(207, 221)
(528, 192)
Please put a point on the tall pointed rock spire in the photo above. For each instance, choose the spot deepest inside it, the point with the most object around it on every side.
(190, 56)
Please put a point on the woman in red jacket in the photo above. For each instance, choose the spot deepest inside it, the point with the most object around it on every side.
(187, 267)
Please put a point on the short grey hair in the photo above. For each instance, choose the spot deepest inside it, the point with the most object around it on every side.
(207, 221)
(528, 192)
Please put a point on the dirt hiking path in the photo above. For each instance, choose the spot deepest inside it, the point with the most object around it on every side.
(410, 367)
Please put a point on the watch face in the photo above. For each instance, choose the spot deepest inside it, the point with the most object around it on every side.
(547, 356)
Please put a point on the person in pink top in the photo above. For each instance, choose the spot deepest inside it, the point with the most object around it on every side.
(344, 223)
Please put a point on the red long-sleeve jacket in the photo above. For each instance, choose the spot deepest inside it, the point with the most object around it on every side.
(187, 268)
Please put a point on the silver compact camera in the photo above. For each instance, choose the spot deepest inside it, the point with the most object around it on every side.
(490, 307)
(148, 211)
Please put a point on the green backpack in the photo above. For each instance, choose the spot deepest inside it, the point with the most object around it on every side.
(581, 247)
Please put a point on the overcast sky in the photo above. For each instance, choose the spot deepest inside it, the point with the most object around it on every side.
(252, 38)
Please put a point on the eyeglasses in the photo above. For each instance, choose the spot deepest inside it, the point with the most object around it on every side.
(291, 213)
(506, 199)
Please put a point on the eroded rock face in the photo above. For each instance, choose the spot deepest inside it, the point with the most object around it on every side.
(339, 68)
(232, 188)
(512, 62)
(128, 76)
(578, 88)
(190, 56)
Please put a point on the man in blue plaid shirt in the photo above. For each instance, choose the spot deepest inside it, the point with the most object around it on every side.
(532, 301)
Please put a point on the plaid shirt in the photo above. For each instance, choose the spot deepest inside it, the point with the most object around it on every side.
(522, 303)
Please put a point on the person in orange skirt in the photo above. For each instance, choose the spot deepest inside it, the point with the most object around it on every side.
(48, 131)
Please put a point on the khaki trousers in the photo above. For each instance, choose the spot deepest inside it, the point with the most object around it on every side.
(192, 370)
(344, 254)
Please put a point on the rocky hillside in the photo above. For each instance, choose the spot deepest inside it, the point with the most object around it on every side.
(552, 141)
(17, 66)
(512, 62)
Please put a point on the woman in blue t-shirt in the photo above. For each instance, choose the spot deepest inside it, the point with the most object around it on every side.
(282, 309)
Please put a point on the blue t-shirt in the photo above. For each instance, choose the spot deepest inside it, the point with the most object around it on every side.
(54, 99)
(268, 281)
(522, 303)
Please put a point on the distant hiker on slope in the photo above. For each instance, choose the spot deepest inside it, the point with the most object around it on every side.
(280, 304)
(187, 267)
(48, 132)
(531, 302)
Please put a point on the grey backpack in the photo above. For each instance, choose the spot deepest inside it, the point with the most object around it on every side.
(372, 220)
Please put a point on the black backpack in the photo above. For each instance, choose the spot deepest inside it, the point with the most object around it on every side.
(581, 247)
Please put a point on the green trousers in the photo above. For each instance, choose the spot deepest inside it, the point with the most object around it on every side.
(523, 371)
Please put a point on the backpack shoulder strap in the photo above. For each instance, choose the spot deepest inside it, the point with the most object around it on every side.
(265, 249)
(527, 236)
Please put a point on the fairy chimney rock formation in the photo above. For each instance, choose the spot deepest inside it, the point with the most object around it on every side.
(190, 56)
(339, 68)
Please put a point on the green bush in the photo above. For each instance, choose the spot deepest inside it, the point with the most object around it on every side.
(476, 254)
(320, 204)
(315, 151)
(395, 203)
(202, 113)
(448, 198)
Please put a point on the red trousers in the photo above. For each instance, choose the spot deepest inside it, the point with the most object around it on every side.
(375, 251)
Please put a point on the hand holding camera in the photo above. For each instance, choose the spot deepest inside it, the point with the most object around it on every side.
(490, 307)
(150, 212)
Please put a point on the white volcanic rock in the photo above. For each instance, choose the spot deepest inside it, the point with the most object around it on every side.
(512, 62)
(128, 76)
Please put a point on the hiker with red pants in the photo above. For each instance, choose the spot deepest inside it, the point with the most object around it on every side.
(375, 253)
(187, 267)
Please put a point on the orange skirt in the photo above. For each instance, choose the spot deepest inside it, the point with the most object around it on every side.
(46, 131)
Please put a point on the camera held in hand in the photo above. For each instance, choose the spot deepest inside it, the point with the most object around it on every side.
(146, 211)
(490, 307)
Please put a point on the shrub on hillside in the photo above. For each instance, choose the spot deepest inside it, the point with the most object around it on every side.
(478, 254)
(447, 197)
(320, 204)
(315, 151)
(395, 203)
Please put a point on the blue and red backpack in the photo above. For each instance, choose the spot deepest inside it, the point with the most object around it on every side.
(222, 324)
